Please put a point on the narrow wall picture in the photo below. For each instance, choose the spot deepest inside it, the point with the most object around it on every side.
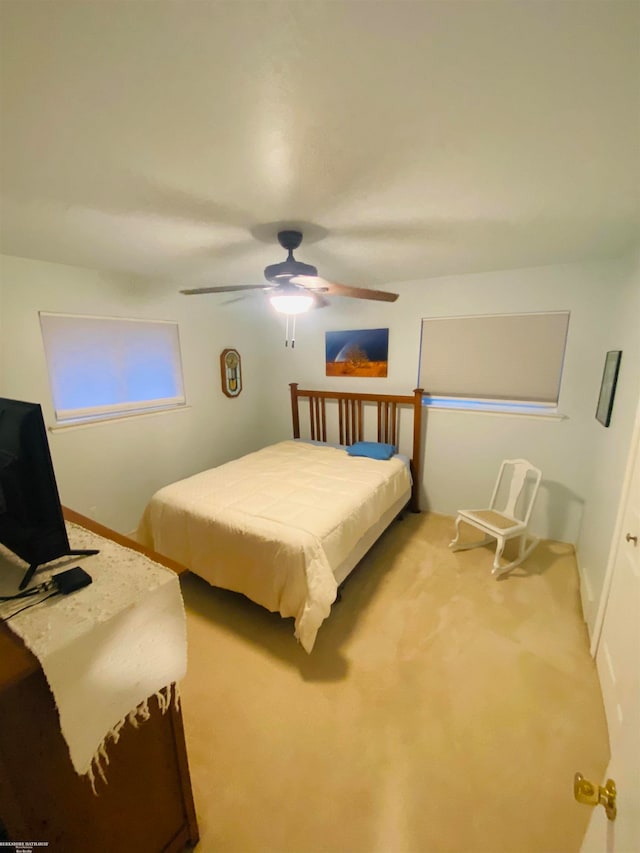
(608, 387)
(358, 352)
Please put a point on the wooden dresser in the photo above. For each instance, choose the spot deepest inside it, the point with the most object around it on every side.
(147, 804)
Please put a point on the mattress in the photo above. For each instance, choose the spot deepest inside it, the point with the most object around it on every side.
(275, 525)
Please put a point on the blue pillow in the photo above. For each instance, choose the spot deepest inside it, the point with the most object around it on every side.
(372, 449)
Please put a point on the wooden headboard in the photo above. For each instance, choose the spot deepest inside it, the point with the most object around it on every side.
(351, 421)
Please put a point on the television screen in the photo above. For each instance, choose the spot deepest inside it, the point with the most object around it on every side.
(31, 521)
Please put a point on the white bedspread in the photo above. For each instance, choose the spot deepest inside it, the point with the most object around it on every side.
(274, 524)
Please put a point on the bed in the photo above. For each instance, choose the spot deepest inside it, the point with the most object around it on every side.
(285, 525)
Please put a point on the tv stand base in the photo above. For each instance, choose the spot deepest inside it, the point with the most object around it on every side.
(33, 567)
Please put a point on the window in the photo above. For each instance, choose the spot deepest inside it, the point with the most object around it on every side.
(497, 362)
(102, 367)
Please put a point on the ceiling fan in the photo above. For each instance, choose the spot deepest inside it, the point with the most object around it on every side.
(295, 287)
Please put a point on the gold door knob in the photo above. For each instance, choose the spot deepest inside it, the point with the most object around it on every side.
(631, 538)
(593, 795)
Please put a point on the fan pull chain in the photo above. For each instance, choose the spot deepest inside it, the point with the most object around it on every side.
(292, 318)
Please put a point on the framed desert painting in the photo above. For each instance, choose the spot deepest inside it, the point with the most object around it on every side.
(359, 352)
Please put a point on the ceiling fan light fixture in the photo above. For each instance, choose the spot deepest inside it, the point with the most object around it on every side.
(291, 303)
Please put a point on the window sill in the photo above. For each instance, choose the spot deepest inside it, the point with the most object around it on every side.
(488, 407)
(121, 416)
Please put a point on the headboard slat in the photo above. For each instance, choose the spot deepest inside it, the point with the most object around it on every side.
(311, 423)
(319, 427)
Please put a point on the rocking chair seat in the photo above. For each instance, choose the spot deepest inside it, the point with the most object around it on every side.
(491, 518)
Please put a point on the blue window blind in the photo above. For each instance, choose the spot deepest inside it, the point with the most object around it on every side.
(108, 366)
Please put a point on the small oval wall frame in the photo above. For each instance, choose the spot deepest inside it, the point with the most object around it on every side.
(231, 372)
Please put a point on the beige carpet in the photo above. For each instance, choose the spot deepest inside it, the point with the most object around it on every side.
(441, 710)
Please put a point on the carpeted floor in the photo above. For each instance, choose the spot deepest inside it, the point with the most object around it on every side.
(440, 710)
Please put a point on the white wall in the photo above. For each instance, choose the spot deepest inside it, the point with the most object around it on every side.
(462, 450)
(610, 446)
(1, 332)
(110, 470)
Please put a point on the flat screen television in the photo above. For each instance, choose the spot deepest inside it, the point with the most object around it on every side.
(31, 521)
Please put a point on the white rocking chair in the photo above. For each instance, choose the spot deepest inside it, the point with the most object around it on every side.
(510, 519)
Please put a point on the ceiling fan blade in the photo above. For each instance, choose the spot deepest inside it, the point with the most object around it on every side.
(319, 301)
(241, 298)
(335, 289)
(230, 289)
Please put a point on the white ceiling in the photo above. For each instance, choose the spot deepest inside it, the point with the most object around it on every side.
(406, 139)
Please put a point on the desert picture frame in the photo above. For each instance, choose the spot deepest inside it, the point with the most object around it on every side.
(608, 386)
(357, 352)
